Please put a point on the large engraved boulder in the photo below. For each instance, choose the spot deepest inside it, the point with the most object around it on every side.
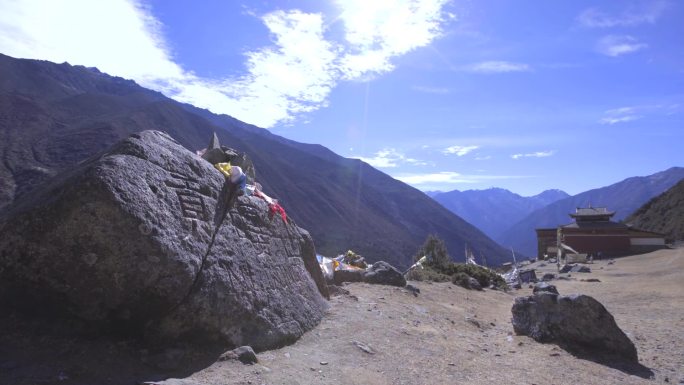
(139, 240)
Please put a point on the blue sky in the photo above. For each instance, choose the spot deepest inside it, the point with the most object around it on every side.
(524, 95)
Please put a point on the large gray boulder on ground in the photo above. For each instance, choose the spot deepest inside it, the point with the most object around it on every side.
(134, 239)
(383, 273)
(576, 322)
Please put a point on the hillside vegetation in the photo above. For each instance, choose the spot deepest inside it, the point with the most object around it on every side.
(663, 214)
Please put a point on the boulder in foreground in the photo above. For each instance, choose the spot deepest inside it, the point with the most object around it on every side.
(578, 323)
(136, 240)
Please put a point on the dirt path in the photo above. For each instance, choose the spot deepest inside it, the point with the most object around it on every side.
(448, 335)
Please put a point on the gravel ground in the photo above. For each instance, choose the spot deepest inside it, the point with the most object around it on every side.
(386, 335)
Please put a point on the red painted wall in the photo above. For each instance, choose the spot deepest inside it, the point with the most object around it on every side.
(593, 244)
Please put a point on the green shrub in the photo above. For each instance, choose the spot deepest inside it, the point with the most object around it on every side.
(427, 274)
(439, 268)
(435, 250)
(461, 279)
(484, 276)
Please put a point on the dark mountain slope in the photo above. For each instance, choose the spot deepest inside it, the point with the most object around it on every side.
(494, 210)
(663, 214)
(55, 115)
(622, 197)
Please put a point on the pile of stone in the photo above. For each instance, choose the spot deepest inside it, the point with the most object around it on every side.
(352, 259)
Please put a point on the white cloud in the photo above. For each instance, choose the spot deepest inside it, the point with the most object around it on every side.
(292, 76)
(616, 45)
(485, 157)
(431, 90)
(503, 141)
(88, 33)
(492, 67)
(672, 109)
(376, 31)
(444, 177)
(622, 111)
(388, 158)
(644, 12)
(460, 150)
(449, 177)
(631, 113)
(619, 119)
(538, 154)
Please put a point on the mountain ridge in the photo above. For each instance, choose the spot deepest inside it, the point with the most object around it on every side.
(663, 214)
(55, 115)
(623, 197)
(495, 209)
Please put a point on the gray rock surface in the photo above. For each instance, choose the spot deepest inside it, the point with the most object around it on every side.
(383, 273)
(169, 359)
(578, 323)
(337, 290)
(575, 268)
(172, 381)
(244, 354)
(133, 239)
(412, 289)
(544, 287)
(528, 275)
(342, 276)
(580, 269)
(474, 284)
(379, 273)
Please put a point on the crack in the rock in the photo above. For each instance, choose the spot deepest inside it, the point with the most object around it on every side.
(223, 206)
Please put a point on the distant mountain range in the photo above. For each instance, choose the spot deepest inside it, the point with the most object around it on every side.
(623, 197)
(432, 194)
(494, 210)
(662, 214)
(53, 116)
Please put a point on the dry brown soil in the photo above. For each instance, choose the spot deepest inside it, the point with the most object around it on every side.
(445, 335)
